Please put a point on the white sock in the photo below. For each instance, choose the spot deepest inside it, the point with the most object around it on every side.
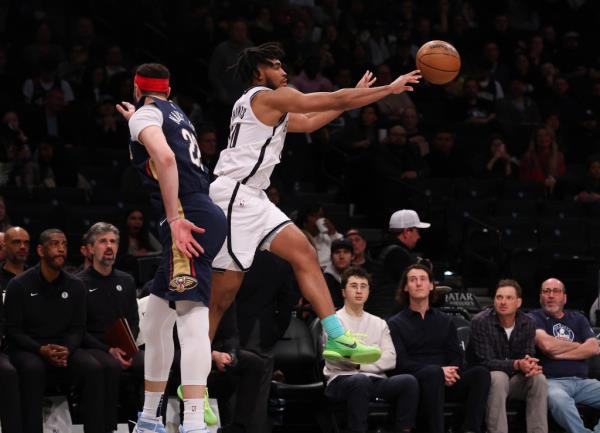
(193, 413)
(151, 402)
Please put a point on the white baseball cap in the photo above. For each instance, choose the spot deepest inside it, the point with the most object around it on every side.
(405, 219)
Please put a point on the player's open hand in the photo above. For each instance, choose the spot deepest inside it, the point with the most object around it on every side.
(403, 82)
(367, 80)
(126, 109)
(182, 232)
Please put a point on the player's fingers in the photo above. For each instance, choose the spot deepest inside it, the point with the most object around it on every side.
(182, 247)
(191, 249)
(197, 229)
(197, 246)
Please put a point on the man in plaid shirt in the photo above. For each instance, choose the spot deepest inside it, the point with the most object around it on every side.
(503, 340)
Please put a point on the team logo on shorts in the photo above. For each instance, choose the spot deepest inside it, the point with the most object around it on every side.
(182, 283)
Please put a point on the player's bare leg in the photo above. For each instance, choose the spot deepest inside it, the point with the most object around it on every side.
(224, 288)
(290, 244)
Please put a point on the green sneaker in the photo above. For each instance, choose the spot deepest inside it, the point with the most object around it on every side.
(209, 416)
(347, 346)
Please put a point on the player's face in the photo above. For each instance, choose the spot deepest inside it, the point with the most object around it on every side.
(274, 75)
(104, 249)
(356, 291)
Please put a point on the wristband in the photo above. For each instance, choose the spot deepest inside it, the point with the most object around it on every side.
(172, 220)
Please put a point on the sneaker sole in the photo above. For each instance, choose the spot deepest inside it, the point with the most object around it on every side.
(358, 358)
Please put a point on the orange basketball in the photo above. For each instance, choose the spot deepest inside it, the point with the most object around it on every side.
(438, 61)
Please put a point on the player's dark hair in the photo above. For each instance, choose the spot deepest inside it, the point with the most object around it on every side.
(247, 63)
(153, 70)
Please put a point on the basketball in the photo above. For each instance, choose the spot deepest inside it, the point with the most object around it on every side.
(438, 61)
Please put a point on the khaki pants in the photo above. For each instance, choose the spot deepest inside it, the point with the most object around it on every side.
(534, 390)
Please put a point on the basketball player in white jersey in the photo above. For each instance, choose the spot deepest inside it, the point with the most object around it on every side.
(259, 121)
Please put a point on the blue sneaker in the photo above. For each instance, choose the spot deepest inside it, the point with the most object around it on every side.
(149, 425)
(194, 430)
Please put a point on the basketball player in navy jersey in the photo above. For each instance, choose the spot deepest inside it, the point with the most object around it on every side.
(165, 151)
(259, 122)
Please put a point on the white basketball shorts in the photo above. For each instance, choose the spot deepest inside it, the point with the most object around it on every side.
(252, 223)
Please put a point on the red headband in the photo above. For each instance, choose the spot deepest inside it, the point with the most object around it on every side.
(147, 84)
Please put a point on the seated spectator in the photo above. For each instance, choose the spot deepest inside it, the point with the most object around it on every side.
(503, 340)
(496, 162)
(392, 106)
(518, 112)
(209, 151)
(566, 342)
(4, 218)
(10, 398)
(237, 372)
(415, 136)
(111, 295)
(361, 135)
(543, 162)
(471, 108)
(36, 89)
(51, 168)
(397, 158)
(445, 160)
(107, 129)
(357, 384)
(341, 259)
(43, 47)
(360, 253)
(45, 323)
(137, 240)
(426, 344)
(584, 140)
(320, 234)
(264, 309)
(310, 79)
(590, 188)
(15, 152)
(56, 119)
(16, 241)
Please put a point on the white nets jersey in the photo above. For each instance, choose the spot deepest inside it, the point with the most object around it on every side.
(253, 149)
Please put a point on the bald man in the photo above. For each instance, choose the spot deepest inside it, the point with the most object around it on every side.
(16, 240)
(566, 341)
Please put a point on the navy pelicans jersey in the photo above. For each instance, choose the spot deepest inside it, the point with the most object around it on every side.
(181, 137)
(178, 277)
(254, 149)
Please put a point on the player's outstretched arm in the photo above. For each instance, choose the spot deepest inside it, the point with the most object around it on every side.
(286, 99)
(310, 122)
(163, 159)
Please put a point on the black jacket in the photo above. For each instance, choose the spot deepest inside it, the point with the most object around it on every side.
(39, 312)
(108, 298)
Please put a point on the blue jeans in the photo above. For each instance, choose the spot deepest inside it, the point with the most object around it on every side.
(564, 393)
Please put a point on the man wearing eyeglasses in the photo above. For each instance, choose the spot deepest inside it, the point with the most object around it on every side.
(565, 341)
